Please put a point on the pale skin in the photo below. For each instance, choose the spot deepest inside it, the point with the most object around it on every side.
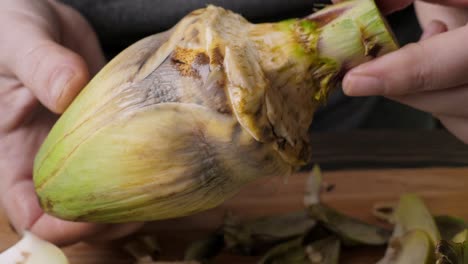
(430, 75)
(49, 52)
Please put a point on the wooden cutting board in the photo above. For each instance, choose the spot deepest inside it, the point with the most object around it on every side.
(445, 191)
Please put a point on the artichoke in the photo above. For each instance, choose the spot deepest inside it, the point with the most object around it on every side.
(179, 121)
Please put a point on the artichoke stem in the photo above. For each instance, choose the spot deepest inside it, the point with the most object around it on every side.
(336, 39)
(352, 32)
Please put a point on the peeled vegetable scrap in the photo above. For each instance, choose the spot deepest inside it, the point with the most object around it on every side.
(180, 121)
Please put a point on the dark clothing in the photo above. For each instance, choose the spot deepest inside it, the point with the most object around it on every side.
(119, 23)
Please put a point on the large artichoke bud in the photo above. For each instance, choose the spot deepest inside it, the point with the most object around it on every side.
(179, 121)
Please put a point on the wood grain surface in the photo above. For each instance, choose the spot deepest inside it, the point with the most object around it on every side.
(444, 190)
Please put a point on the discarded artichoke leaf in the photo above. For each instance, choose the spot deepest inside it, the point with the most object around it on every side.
(324, 251)
(448, 252)
(412, 214)
(414, 247)
(288, 252)
(449, 226)
(205, 249)
(350, 230)
(33, 250)
(250, 237)
(384, 212)
(461, 236)
(313, 187)
(319, 232)
(143, 246)
(413, 225)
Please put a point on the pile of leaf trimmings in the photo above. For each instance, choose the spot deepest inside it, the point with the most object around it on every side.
(317, 234)
(314, 235)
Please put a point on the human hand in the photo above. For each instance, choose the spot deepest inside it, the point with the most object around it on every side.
(47, 54)
(429, 75)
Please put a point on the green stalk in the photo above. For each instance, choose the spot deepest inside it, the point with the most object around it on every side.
(305, 58)
(330, 41)
(353, 32)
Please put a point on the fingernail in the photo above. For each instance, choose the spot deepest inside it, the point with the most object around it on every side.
(362, 85)
(60, 84)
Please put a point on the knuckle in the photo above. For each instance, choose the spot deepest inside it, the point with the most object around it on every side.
(16, 105)
(32, 61)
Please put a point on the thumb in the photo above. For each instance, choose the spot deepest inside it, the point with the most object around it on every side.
(435, 63)
(22, 208)
(53, 73)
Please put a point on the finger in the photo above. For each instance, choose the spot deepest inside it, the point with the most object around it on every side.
(451, 16)
(19, 200)
(53, 73)
(442, 102)
(20, 204)
(24, 212)
(390, 6)
(16, 103)
(78, 34)
(455, 3)
(22, 208)
(457, 125)
(435, 27)
(432, 64)
(62, 232)
(67, 233)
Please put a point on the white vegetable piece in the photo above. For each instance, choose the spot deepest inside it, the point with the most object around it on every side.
(33, 250)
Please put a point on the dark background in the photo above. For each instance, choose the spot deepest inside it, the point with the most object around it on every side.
(119, 23)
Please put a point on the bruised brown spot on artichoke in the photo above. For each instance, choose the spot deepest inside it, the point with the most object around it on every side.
(374, 50)
(47, 204)
(217, 57)
(187, 60)
(201, 59)
(208, 88)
